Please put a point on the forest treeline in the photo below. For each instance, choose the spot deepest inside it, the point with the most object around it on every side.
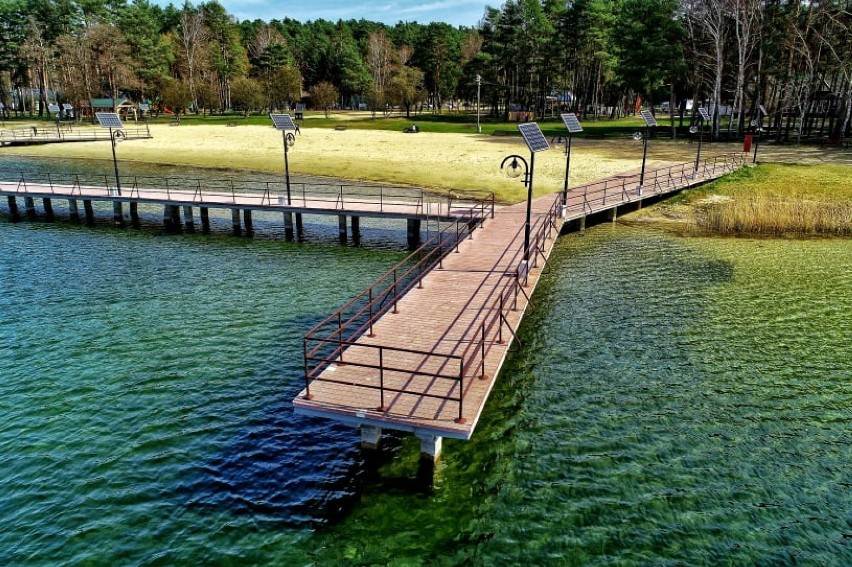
(793, 58)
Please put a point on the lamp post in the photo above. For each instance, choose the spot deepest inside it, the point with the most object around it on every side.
(759, 127)
(536, 142)
(478, 87)
(513, 171)
(287, 127)
(112, 122)
(573, 126)
(650, 120)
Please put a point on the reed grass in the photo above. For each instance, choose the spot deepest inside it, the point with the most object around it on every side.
(778, 200)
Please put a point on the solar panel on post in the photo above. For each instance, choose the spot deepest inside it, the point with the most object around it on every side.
(703, 112)
(109, 120)
(533, 137)
(283, 122)
(571, 122)
(648, 117)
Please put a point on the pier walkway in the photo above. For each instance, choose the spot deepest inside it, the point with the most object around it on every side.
(420, 349)
(36, 135)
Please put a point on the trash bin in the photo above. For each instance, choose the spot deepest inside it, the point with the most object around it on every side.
(747, 143)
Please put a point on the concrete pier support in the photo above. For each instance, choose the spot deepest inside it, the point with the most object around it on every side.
(73, 210)
(413, 233)
(235, 222)
(205, 219)
(341, 228)
(188, 220)
(13, 208)
(288, 226)
(613, 214)
(29, 204)
(48, 209)
(134, 214)
(89, 211)
(117, 214)
(371, 437)
(171, 218)
(300, 231)
(356, 230)
(247, 222)
(582, 222)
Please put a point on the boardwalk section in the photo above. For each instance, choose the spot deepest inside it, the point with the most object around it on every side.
(37, 135)
(419, 351)
(182, 197)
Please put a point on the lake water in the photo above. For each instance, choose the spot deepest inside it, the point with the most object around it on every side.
(675, 401)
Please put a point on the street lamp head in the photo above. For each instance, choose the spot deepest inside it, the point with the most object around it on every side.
(290, 139)
(637, 136)
(693, 129)
(514, 170)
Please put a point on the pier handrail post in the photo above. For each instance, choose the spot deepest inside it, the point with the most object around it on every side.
(482, 352)
(500, 317)
(307, 374)
(441, 250)
(394, 291)
(370, 306)
(460, 418)
(233, 192)
(420, 267)
(382, 406)
(50, 183)
(457, 236)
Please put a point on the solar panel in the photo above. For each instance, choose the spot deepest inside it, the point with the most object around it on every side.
(109, 120)
(66, 106)
(648, 117)
(703, 112)
(535, 140)
(571, 122)
(53, 108)
(144, 107)
(282, 122)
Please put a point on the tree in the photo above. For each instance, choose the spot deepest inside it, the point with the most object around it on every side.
(246, 95)
(177, 95)
(286, 86)
(324, 95)
(380, 58)
(192, 35)
(406, 88)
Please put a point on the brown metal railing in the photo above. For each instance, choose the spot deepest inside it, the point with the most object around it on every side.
(593, 197)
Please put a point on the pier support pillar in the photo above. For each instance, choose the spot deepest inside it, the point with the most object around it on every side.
(205, 220)
(248, 223)
(371, 437)
(13, 208)
(235, 222)
(188, 221)
(171, 218)
(134, 214)
(413, 233)
(300, 232)
(48, 209)
(356, 229)
(90, 212)
(582, 224)
(341, 228)
(29, 204)
(288, 226)
(117, 214)
(73, 211)
(613, 214)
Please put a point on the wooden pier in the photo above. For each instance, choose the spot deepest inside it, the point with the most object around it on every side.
(419, 351)
(181, 198)
(61, 133)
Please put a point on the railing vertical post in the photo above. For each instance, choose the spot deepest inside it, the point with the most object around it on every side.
(307, 372)
(461, 419)
(394, 291)
(420, 265)
(500, 321)
(441, 249)
(382, 406)
(457, 236)
(370, 298)
(233, 193)
(482, 347)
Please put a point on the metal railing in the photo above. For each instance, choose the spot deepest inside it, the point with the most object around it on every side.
(251, 193)
(63, 133)
(594, 197)
(427, 373)
(338, 333)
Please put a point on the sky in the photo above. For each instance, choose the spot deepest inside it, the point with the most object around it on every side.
(453, 12)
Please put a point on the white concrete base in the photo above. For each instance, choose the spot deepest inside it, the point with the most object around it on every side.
(371, 437)
(430, 446)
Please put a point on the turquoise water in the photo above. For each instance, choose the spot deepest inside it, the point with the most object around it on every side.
(675, 401)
